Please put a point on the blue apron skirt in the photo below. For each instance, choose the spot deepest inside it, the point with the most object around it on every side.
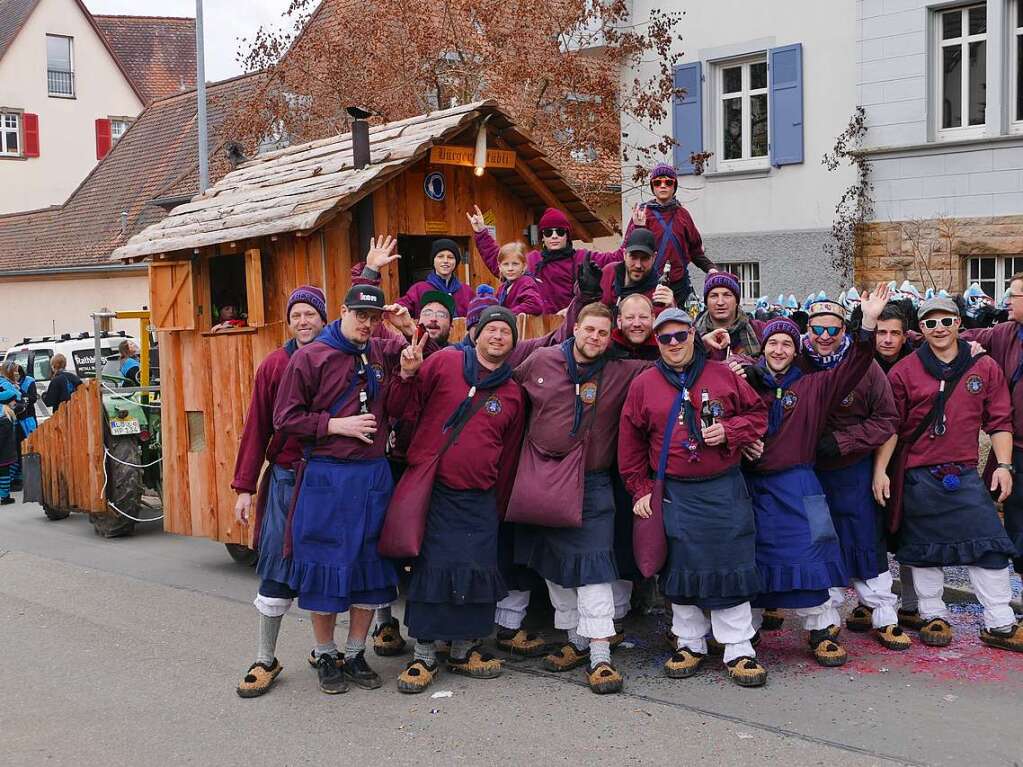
(456, 584)
(859, 521)
(273, 569)
(513, 542)
(950, 528)
(1012, 508)
(624, 556)
(797, 548)
(336, 525)
(580, 556)
(711, 534)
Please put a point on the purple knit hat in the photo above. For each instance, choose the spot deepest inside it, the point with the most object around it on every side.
(781, 325)
(309, 294)
(722, 280)
(663, 170)
(484, 297)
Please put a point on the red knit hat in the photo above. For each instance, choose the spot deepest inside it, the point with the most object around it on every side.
(552, 217)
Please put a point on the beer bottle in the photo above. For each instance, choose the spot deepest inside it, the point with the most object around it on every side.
(664, 280)
(363, 403)
(706, 416)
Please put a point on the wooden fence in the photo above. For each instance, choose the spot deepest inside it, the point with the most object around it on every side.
(530, 326)
(71, 450)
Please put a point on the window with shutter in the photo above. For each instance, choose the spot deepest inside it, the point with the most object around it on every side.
(786, 110)
(31, 134)
(687, 116)
(104, 138)
(10, 134)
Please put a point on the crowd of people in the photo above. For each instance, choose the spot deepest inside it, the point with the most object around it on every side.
(748, 463)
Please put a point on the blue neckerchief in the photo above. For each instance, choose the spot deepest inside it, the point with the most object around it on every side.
(826, 362)
(291, 347)
(685, 381)
(450, 287)
(777, 412)
(1019, 368)
(592, 370)
(470, 374)
(502, 292)
(335, 339)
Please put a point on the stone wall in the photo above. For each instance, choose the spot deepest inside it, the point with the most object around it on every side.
(932, 253)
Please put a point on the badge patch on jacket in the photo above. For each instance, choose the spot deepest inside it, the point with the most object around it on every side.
(378, 371)
(974, 384)
(789, 400)
(850, 398)
(716, 408)
(588, 392)
(492, 405)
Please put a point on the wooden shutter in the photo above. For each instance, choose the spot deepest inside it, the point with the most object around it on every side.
(687, 115)
(785, 66)
(30, 131)
(172, 295)
(104, 138)
(254, 288)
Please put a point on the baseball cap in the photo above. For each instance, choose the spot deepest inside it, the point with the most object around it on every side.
(938, 304)
(672, 315)
(365, 297)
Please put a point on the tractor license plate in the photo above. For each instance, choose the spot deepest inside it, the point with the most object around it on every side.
(122, 426)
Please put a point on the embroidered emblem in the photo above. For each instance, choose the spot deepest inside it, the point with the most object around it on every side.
(847, 402)
(492, 405)
(378, 371)
(716, 408)
(789, 400)
(974, 384)
(588, 392)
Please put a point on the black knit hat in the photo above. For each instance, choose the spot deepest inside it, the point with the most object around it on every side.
(446, 244)
(498, 314)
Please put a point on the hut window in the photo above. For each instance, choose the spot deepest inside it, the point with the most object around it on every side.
(228, 297)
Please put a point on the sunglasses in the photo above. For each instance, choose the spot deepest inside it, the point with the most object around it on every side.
(678, 337)
(554, 231)
(663, 182)
(820, 330)
(945, 321)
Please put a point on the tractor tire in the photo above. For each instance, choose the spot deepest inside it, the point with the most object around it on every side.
(124, 488)
(243, 555)
(55, 514)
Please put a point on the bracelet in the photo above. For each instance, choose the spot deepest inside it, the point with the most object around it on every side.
(1008, 467)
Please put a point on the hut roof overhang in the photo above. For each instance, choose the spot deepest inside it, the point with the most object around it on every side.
(302, 187)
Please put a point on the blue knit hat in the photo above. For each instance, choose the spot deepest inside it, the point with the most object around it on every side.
(722, 280)
(781, 325)
(309, 294)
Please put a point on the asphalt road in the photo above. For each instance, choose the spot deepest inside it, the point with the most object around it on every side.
(127, 652)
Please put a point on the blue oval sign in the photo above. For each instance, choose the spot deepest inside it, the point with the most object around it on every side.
(433, 185)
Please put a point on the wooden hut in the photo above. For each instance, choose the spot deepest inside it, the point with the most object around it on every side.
(296, 216)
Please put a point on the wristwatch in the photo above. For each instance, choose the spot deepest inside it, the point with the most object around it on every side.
(1008, 467)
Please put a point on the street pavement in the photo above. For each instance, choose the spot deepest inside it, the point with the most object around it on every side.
(127, 652)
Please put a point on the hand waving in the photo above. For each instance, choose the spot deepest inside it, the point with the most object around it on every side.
(381, 252)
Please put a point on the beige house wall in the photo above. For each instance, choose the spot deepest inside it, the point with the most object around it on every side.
(43, 306)
(67, 126)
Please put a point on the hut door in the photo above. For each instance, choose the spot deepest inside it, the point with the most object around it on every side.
(416, 263)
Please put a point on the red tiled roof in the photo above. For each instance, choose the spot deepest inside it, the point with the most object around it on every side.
(157, 157)
(13, 14)
(157, 52)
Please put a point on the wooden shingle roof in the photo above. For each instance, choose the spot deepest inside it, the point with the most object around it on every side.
(300, 188)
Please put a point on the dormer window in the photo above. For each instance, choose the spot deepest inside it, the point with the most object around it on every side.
(60, 75)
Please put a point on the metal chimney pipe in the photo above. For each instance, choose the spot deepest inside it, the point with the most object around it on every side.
(360, 136)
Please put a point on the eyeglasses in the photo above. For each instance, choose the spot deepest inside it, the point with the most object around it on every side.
(945, 321)
(663, 182)
(678, 337)
(820, 330)
(554, 231)
(439, 314)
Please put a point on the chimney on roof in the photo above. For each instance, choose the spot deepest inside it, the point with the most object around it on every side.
(360, 136)
(124, 221)
(235, 154)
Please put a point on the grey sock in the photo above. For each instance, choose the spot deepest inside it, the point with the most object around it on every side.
(460, 648)
(269, 628)
(600, 652)
(354, 646)
(323, 649)
(383, 615)
(426, 652)
(578, 642)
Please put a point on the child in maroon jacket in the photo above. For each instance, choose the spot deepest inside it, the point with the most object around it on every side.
(519, 292)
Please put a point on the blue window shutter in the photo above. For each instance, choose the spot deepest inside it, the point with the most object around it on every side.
(786, 107)
(688, 115)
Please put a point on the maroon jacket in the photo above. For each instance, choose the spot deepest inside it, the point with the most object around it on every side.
(1003, 344)
(522, 296)
(316, 378)
(413, 298)
(259, 441)
(544, 377)
(645, 417)
(686, 235)
(811, 400)
(612, 282)
(556, 279)
(485, 454)
(979, 401)
(863, 421)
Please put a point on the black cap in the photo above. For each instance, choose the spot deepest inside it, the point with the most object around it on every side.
(365, 297)
(641, 240)
(498, 314)
(446, 244)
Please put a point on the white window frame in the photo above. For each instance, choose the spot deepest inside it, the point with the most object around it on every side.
(114, 136)
(1015, 33)
(1005, 267)
(71, 60)
(19, 125)
(747, 162)
(748, 273)
(964, 131)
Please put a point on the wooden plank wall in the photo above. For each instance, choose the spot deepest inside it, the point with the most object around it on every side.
(70, 445)
(530, 326)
